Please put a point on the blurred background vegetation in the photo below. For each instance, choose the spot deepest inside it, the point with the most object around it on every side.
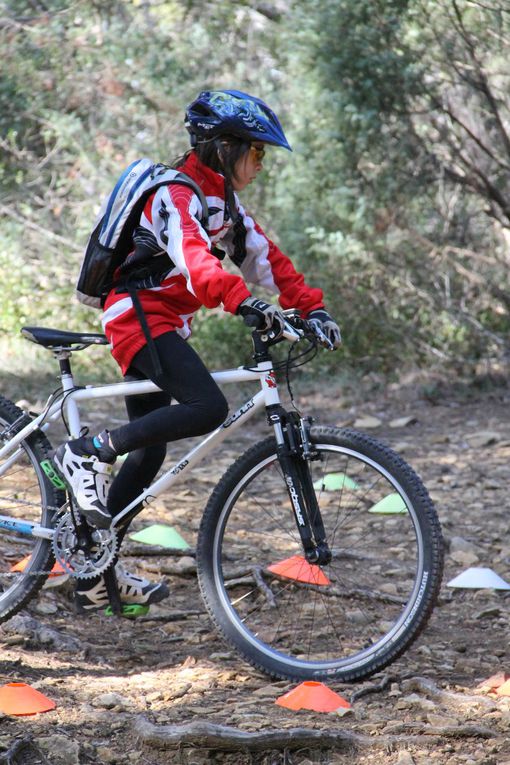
(396, 199)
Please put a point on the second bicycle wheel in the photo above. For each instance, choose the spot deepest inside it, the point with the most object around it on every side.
(342, 621)
(29, 494)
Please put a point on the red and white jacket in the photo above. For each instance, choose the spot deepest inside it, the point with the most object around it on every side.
(172, 214)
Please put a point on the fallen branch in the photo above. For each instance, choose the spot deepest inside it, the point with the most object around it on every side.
(172, 616)
(146, 551)
(223, 737)
(215, 737)
(426, 686)
(263, 587)
(243, 577)
(374, 688)
(444, 731)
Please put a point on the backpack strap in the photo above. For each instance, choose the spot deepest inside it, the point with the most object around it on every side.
(151, 345)
(181, 179)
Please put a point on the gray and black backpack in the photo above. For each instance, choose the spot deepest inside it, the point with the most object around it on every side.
(111, 240)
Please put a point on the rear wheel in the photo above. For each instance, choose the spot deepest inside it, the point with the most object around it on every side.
(345, 620)
(29, 491)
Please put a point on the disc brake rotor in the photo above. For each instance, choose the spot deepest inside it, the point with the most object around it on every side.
(83, 560)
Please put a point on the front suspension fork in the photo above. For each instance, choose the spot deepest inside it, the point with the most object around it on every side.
(295, 452)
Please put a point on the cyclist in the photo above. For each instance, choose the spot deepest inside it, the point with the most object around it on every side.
(229, 133)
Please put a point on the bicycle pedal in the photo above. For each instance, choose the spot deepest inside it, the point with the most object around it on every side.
(129, 610)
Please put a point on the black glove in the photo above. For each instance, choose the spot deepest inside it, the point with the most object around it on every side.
(321, 319)
(269, 315)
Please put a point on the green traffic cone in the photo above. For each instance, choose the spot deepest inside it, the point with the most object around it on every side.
(161, 536)
(393, 504)
(335, 482)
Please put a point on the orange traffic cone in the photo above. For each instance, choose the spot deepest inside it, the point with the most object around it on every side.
(493, 683)
(298, 569)
(315, 696)
(504, 689)
(57, 569)
(22, 699)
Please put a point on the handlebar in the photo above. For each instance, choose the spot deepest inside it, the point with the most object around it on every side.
(295, 328)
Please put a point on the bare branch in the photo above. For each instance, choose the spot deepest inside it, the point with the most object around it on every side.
(483, 77)
(36, 227)
(475, 138)
(497, 9)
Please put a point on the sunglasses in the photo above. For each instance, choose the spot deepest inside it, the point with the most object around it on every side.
(258, 152)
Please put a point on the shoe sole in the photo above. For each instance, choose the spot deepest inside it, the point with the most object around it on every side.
(156, 596)
(95, 517)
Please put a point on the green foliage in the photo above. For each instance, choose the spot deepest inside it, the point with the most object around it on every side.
(221, 339)
(395, 198)
(383, 207)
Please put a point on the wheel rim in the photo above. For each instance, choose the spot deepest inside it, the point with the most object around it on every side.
(24, 495)
(376, 588)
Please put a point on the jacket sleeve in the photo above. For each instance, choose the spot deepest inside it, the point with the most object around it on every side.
(174, 216)
(266, 266)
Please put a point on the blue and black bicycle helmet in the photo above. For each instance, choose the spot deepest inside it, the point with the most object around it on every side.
(231, 112)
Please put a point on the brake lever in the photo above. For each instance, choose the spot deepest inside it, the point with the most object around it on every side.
(321, 337)
(290, 333)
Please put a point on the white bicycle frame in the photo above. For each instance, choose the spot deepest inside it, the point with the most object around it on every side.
(68, 405)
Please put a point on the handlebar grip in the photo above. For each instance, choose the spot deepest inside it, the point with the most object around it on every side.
(253, 321)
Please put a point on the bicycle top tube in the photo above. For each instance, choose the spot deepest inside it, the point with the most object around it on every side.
(135, 387)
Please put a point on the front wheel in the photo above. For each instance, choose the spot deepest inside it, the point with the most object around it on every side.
(345, 620)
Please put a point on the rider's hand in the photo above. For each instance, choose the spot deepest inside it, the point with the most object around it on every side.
(269, 315)
(321, 319)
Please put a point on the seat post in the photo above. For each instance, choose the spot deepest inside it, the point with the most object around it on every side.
(64, 362)
(63, 356)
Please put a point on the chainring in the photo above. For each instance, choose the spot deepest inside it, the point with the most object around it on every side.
(79, 559)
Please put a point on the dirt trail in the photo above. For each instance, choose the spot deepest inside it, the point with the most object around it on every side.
(114, 680)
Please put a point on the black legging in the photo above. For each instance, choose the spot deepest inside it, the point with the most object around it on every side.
(153, 422)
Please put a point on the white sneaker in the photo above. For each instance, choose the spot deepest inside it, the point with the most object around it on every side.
(136, 589)
(133, 589)
(88, 480)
